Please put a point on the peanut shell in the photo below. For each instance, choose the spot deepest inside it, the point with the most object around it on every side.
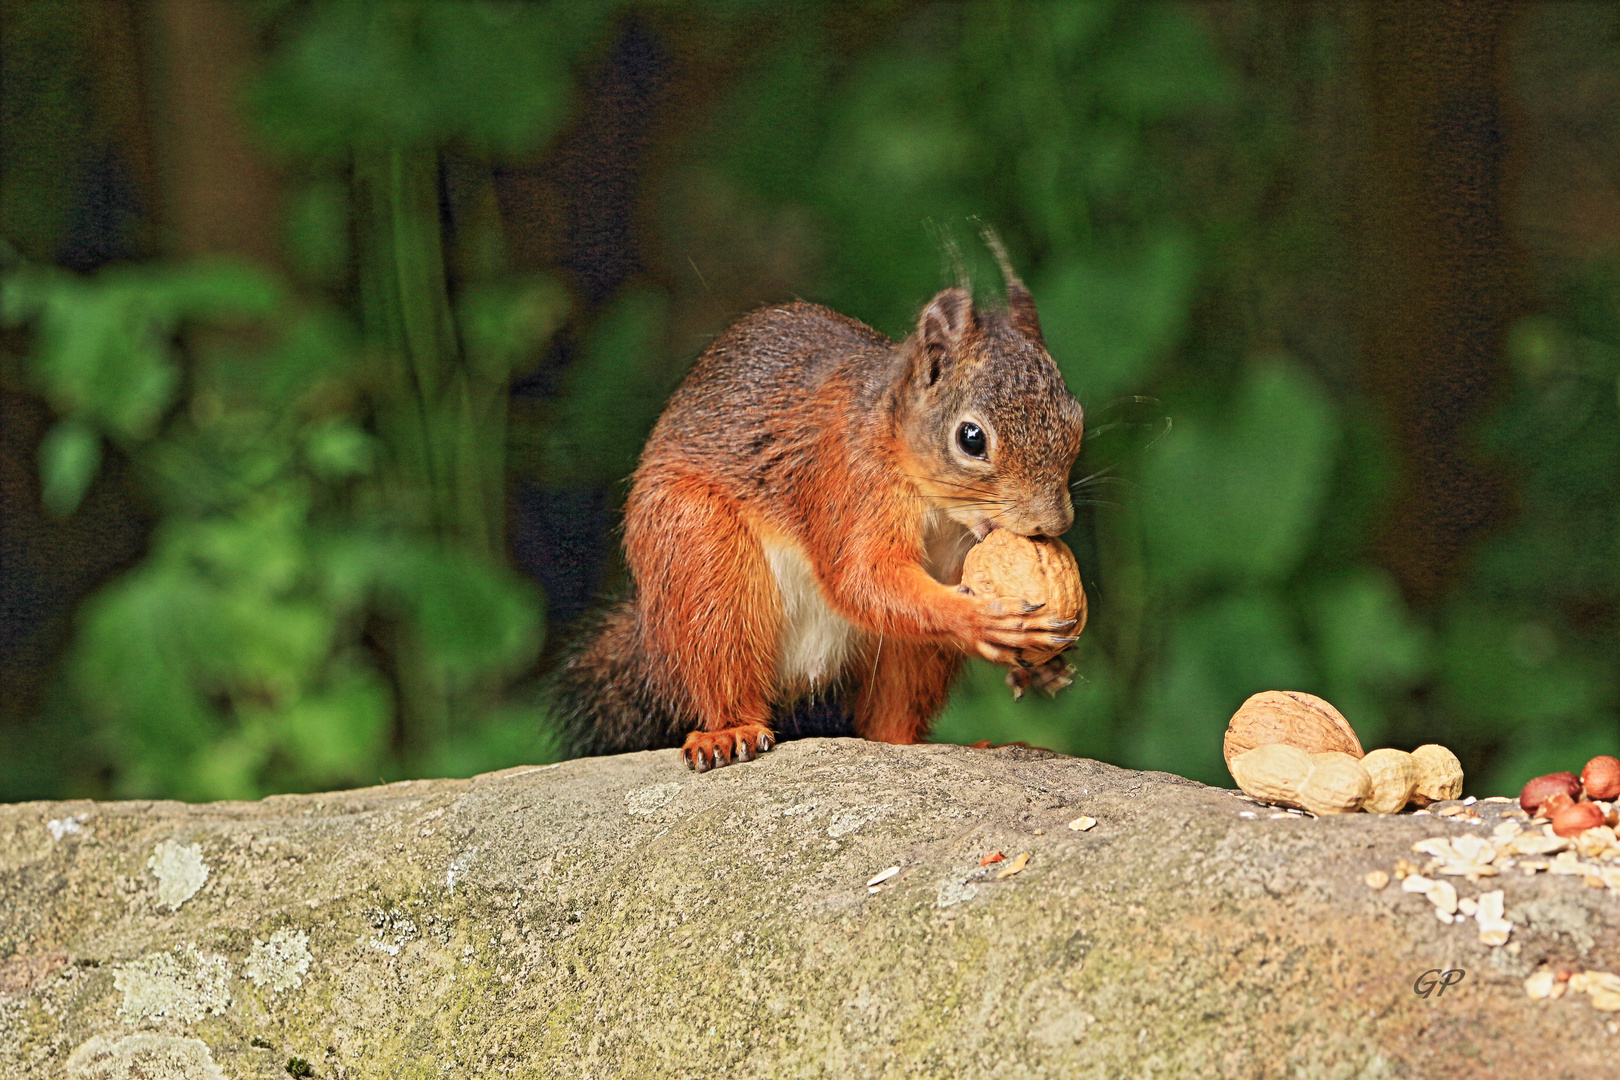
(1292, 717)
(1440, 774)
(1336, 784)
(1036, 571)
(1271, 772)
(1394, 777)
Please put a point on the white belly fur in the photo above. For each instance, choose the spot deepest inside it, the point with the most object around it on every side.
(816, 642)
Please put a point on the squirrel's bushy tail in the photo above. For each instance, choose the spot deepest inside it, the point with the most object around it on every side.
(602, 695)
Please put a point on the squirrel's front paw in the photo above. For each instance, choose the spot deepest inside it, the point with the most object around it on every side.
(1048, 678)
(705, 750)
(1013, 632)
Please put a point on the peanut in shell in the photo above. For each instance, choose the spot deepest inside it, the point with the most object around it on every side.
(1440, 774)
(1271, 772)
(1394, 777)
(1330, 783)
(1336, 784)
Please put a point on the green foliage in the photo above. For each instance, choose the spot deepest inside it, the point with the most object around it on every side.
(325, 600)
(1109, 318)
(421, 74)
(1235, 500)
(1530, 653)
(233, 659)
(592, 432)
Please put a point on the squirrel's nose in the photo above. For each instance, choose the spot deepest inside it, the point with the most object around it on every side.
(1058, 518)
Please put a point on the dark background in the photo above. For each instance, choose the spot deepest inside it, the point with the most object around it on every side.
(332, 330)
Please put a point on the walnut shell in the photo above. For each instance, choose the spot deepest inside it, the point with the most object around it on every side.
(1336, 784)
(1440, 774)
(1394, 777)
(1292, 717)
(1036, 571)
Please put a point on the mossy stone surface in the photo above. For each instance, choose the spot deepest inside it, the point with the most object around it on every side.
(624, 917)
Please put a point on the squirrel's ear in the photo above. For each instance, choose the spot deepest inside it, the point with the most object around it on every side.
(946, 320)
(1020, 305)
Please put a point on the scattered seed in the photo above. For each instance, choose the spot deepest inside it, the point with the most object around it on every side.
(1082, 823)
(1376, 880)
(1014, 867)
(881, 878)
(1543, 985)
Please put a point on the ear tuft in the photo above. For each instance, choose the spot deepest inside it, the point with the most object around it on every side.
(1020, 304)
(946, 320)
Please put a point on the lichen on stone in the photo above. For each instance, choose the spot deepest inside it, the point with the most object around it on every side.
(281, 962)
(183, 985)
(180, 871)
(168, 1056)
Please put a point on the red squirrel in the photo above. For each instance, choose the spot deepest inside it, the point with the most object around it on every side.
(797, 522)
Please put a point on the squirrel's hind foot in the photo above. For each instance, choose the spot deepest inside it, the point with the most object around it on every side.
(705, 750)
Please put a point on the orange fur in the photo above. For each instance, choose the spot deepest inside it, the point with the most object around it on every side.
(904, 685)
(804, 439)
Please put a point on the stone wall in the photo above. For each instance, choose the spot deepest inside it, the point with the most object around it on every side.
(624, 917)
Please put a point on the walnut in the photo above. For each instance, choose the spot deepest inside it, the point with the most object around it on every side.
(1037, 571)
(1292, 717)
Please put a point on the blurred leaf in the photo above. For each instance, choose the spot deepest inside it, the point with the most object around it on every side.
(1108, 319)
(1217, 655)
(1501, 670)
(69, 457)
(317, 354)
(337, 449)
(471, 619)
(613, 394)
(102, 353)
(503, 325)
(419, 74)
(1369, 646)
(318, 232)
(1165, 66)
(1237, 499)
(338, 733)
(499, 739)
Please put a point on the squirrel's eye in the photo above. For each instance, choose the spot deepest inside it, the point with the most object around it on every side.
(970, 437)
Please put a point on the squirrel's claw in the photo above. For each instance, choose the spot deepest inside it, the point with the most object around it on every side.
(705, 750)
